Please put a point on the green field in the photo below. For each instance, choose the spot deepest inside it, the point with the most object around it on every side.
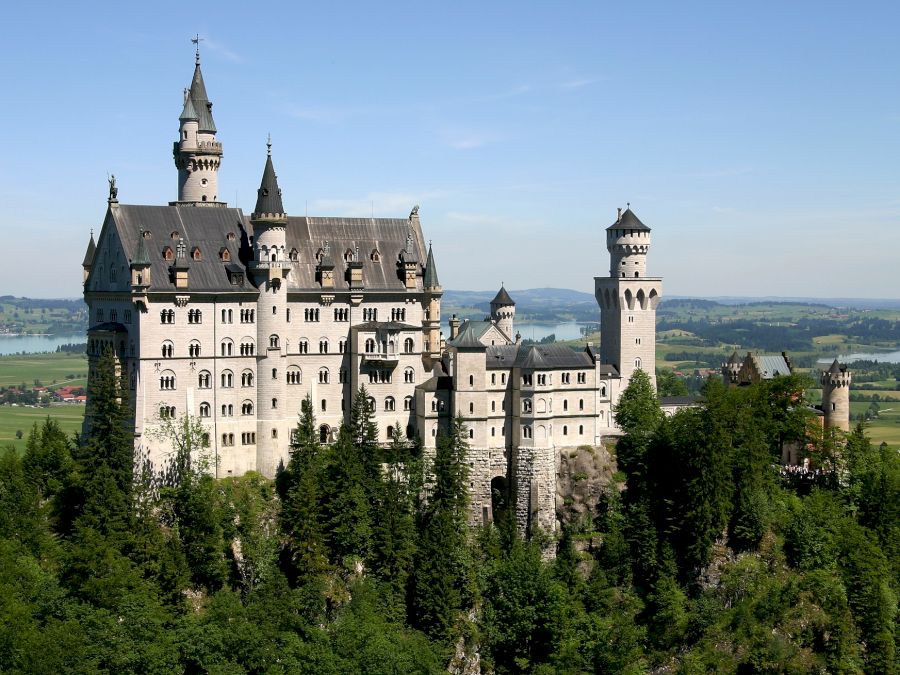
(16, 418)
(48, 368)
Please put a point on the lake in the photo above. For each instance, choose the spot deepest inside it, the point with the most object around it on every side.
(570, 330)
(16, 344)
(881, 357)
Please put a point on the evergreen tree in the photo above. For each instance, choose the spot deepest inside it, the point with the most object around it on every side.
(346, 504)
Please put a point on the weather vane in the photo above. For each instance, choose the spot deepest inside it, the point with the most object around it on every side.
(197, 40)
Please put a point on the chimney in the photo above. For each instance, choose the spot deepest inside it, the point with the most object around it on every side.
(454, 327)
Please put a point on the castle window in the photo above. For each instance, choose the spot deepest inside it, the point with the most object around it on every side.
(273, 342)
(274, 433)
(247, 378)
(471, 380)
(471, 433)
(274, 373)
(493, 406)
(224, 254)
(493, 432)
(324, 405)
(287, 314)
(227, 379)
(376, 256)
(99, 315)
(370, 346)
(167, 381)
(434, 406)
(493, 378)
(247, 408)
(227, 410)
(175, 235)
(248, 315)
(165, 316)
(323, 433)
(580, 429)
(582, 378)
(526, 405)
(603, 390)
(526, 379)
(294, 255)
(342, 378)
(323, 376)
(372, 405)
(323, 346)
(342, 346)
(204, 380)
(113, 315)
(166, 412)
(408, 345)
(127, 316)
(226, 347)
(630, 319)
(408, 403)
(409, 375)
(168, 350)
(294, 375)
(502, 378)
(311, 314)
(526, 431)
(565, 430)
(542, 379)
(194, 349)
(274, 403)
(195, 253)
(637, 341)
(581, 404)
(167, 253)
(471, 408)
(410, 432)
(195, 316)
(303, 346)
(389, 404)
(565, 405)
(833, 407)
(230, 236)
(204, 409)
(637, 363)
(565, 378)
(247, 347)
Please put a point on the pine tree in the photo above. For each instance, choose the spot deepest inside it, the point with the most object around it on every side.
(346, 504)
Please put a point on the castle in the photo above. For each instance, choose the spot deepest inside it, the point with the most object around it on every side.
(234, 320)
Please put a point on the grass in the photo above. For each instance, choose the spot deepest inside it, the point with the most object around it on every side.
(15, 418)
(18, 368)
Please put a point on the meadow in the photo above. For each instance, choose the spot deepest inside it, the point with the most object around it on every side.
(19, 418)
(50, 369)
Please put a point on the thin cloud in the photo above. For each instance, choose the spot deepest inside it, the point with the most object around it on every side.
(221, 49)
(579, 82)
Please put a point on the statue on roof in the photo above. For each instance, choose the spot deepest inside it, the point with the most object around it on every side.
(113, 190)
(414, 213)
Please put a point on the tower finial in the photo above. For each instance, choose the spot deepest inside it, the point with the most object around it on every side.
(269, 145)
(197, 40)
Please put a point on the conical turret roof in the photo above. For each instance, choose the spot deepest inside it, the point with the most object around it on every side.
(734, 358)
(835, 368)
(268, 197)
(431, 275)
(502, 298)
(200, 100)
(89, 254)
(628, 221)
(189, 112)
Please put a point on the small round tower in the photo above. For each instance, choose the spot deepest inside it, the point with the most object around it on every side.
(730, 369)
(836, 396)
(503, 312)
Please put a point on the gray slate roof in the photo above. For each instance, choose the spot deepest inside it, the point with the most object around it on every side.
(771, 365)
(548, 357)
(89, 253)
(189, 112)
(628, 221)
(502, 298)
(199, 98)
(469, 336)
(205, 228)
(268, 197)
(431, 276)
(836, 368)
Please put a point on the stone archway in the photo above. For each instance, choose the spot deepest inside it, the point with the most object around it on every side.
(500, 500)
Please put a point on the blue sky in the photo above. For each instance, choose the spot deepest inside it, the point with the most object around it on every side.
(760, 141)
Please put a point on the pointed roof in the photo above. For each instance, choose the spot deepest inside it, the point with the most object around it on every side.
(431, 275)
(835, 368)
(628, 221)
(200, 100)
(141, 257)
(734, 358)
(89, 254)
(189, 112)
(467, 338)
(502, 298)
(268, 199)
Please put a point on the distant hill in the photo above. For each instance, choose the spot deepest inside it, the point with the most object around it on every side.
(533, 304)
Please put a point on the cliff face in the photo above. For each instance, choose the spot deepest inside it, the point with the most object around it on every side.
(583, 474)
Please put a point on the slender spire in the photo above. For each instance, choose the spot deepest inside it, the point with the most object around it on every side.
(268, 200)
(201, 102)
(89, 254)
(431, 275)
(189, 112)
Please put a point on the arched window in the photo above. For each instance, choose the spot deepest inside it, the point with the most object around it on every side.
(580, 429)
(433, 406)
(167, 380)
(565, 404)
(471, 433)
(247, 378)
(167, 412)
(204, 409)
(408, 403)
(294, 375)
(227, 379)
(565, 430)
(471, 408)
(323, 376)
(581, 404)
(248, 348)
(274, 403)
(303, 346)
(204, 380)
(526, 431)
(637, 362)
(410, 432)
(167, 316)
(194, 349)
(372, 405)
(227, 410)
(370, 346)
(324, 405)
(389, 404)
(247, 407)
(324, 432)
(389, 432)
(408, 345)
(168, 349)
(227, 347)
(526, 405)
(471, 380)
(273, 342)
(409, 375)
(323, 346)
(603, 390)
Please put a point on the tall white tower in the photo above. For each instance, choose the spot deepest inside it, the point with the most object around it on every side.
(270, 268)
(628, 299)
(197, 153)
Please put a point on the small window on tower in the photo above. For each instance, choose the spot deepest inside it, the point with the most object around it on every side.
(203, 181)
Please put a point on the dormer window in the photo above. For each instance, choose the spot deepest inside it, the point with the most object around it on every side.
(168, 253)
(294, 255)
(376, 256)
(224, 254)
(195, 253)
(348, 255)
(175, 235)
(230, 236)
(147, 234)
(320, 254)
